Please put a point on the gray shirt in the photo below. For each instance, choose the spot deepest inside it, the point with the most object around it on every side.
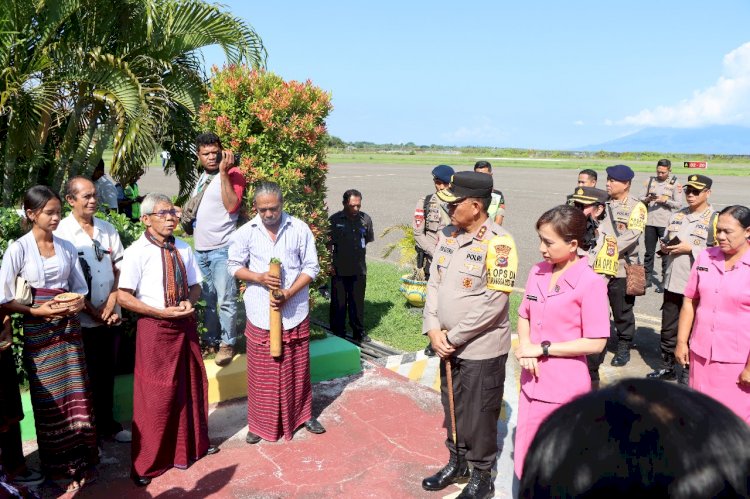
(669, 198)
(696, 229)
(428, 223)
(629, 219)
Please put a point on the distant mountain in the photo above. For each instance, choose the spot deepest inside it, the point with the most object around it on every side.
(719, 139)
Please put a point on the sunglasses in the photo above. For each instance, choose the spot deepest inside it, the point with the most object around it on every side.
(99, 251)
(693, 190)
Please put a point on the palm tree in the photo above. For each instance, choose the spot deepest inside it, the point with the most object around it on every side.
(78, 76)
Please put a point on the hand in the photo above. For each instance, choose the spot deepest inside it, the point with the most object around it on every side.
(439, 341)
(107, 308)
(531, 364)
(278, 297)
(682, 354)
(269, 281)
(744, 379)
(663, 247)
(6, 334)
(227, 161)
(47, 311)
(683, 248)
(113, 320)
(529, 351)
(75, 306)
(184, 309)
(663, 199)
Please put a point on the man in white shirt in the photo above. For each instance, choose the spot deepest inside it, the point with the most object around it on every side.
(106, 190)
(99, 251)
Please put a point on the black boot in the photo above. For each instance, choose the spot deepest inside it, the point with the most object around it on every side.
(684, 376)
(428, 351)
(480, 485)
(622, 356)
(448, 474)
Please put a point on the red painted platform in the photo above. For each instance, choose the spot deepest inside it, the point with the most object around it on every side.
(384, 434)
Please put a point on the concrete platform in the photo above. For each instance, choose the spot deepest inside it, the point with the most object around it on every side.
(330, 358)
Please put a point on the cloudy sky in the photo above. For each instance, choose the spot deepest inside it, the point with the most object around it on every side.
(539, 74)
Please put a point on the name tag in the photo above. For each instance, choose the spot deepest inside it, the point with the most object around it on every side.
(531, 297)
(701, 269)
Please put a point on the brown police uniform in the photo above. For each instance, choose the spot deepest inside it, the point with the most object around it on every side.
(470, 278)
(430, 218)
(698, 229)
(658, 216)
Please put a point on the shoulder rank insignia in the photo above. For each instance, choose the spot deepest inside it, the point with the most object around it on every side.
(480, 234)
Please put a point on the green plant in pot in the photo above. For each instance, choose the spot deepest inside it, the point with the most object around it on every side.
(413, 285)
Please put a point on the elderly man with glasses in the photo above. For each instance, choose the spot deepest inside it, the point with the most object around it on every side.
(100, 253)
(160, 280)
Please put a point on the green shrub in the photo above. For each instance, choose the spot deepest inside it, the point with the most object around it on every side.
(278, 128)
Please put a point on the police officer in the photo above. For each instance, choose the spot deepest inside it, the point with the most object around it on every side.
(621, 228)
(430, 217)
(466, 318)
(689, 232)
(496, 211)
(663, 196)
(351, 231)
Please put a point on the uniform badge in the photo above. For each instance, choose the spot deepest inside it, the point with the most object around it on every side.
(693, 178)
(502, 251)
(477, 249)
(697, 242)
(441, 260)
(621, 227)
(482, 230)
(611, 247)
(579, 191)
(466, 282)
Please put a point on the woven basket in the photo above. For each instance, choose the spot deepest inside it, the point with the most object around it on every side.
(415, 292)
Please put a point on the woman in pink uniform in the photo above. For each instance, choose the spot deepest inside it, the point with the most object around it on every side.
(717, 310)
(563, 317)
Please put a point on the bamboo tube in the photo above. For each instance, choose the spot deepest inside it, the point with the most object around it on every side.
(275, 327)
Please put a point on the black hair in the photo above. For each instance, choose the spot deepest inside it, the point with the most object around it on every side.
(37, 197)
(664, 162)
(482, 164)
(588, 171)
(639, 438)
(71, 189)
(568, 222)
(99, 166)
(207, 139)
(739, 213)
(351, 193)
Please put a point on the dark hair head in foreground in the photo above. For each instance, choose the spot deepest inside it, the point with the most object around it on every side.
(640, 438)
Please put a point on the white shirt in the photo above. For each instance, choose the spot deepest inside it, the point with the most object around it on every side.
(102, 271)
(142, 270)
(23, 258)
(106, 192)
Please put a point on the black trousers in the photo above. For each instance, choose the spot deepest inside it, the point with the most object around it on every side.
(11, 447)
(348, 296)
(651, 236)
(10, 410)
(623, 318)
(478, 397)
(100, 347)
(670, 315)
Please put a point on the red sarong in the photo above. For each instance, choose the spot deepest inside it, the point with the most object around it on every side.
(279, 392)
(170, 397)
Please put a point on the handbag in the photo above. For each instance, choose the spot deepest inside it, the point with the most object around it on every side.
(23, 294)
(190, 210)
(635, 273)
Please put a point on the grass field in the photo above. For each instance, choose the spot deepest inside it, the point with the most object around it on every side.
(388, 319)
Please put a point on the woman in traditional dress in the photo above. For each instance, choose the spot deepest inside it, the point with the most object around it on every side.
(53, 349)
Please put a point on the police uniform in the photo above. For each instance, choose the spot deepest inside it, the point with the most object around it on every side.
(658, 216)
(471, 277)
(430, 218)
(620, 231)
(698, 229)
(349, 239)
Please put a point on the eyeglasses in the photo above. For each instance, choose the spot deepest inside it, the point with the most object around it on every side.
(99, 251)
(693, 191)
(164, 213)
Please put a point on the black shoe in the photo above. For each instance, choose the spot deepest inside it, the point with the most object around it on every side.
(622, 356)
(684, 378)
(252, 438)
(659, 290)
(480, 485)
(139, 481)
(428, 351)
(313, 426)
(214, 449)
(448, 474)
(663, 374)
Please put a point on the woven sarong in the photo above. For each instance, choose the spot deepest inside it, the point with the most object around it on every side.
(279, 393)
(170, 397)
(60, 396)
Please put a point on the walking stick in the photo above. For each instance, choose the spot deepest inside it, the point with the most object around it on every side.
(451, 404)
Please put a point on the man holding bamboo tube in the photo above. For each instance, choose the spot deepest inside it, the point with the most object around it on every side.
(279, 392)
(466, 318)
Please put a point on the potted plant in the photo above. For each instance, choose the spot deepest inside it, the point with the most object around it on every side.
(413, 284)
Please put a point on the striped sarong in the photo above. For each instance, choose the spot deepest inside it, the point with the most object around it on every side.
(279, 392)
(170, 397)
(60, 396)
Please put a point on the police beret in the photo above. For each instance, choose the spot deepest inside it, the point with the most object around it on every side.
(622, 173)
(699, 182)
(588, 195)
(467, 185)
(443, 172)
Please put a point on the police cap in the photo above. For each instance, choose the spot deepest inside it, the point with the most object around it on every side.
(588, 195)
(443, 173)
(622, 173)
(467, 185)
(700, 182)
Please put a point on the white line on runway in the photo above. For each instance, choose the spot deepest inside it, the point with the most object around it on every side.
(363, 176)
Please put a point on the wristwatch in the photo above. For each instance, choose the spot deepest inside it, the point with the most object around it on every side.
(545, 348)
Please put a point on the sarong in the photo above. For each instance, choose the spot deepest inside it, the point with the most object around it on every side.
(170, 397)
(279, 392)
(531, 415)
(719, 381)
(60, 396)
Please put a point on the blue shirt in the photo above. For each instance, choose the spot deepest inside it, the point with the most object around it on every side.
(251, 247)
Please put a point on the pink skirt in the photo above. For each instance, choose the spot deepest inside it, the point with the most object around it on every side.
(719, 381)
(531, 415)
